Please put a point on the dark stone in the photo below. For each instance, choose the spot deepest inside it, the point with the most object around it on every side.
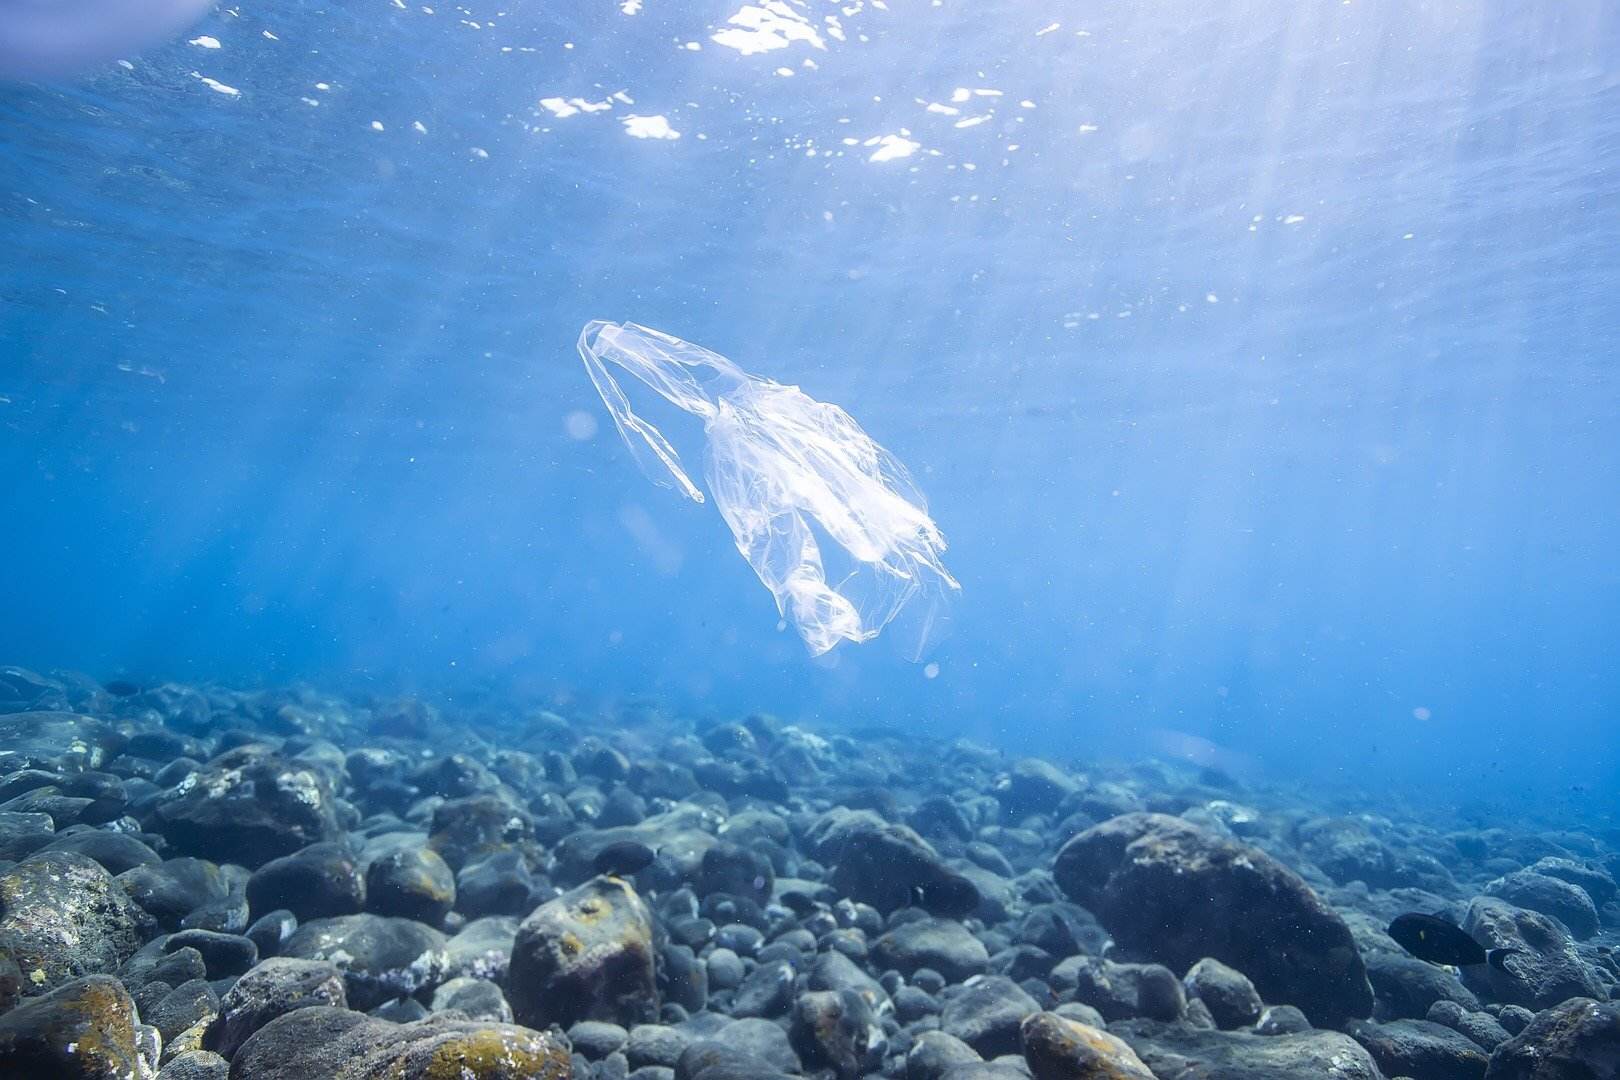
(412, 883)
(1578, 1039)
(223, 954)
(1597, 882)
(1173, 893)
(497, 884)
(482, 948)
(587, 955)
(1546, 968)
(116, 852)
(23, 834)
(986, 1015)
(713, 1060)
(1034, 786)
(342, 1045)
(941, 944)
(380, 957)
(1483, 1028)
(195, 1065)
(1408, 987)
(1420, 1048)
(766, 991)
(63, 916)
(596, 1039)
(270, 930)
(1569, 904)
(1228, 994)
(888, 866)
(250, 812)
(1121, 991)
(834, 1030)
(475, 999)
(316, 882)
(736, 871)
(1180, 1052)
(275, 987)
(187, 1004)
(85, 1028)
(936, 1053)
(474, 826)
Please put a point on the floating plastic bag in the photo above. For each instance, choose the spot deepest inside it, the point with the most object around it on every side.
(779, 462)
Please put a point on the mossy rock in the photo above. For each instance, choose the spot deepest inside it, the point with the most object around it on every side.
(84, 1029)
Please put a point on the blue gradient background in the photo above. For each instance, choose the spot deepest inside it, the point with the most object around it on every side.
(287, 397)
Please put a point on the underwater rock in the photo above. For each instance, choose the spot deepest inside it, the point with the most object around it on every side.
(380, 957)
(223, 954)
(482, 948)
(315, 882)
(273, 988)
(1569, 904)
(944, 945)
(1546, 968)
(587, 955)
(721, 1060)
(833, 1030)
(271, 930)
(188, 1004)
(248, 810)
(22, 691)
(1173, 893)
(684, 833)
(888, 866)
(1121, 991)
(1483, 1028)
(1406, 987)
(1033, 786)
(56, 741)
(1597, 882)
(1578, 1039)
(763, 1040)
(1230, 997)
(476, 825)
(986, 1014)
(22, 834)
(1420, 1048)
(1179, 1052)
(412, 883)
(936, 1053)
(497, 884)
(596, 1039)
(337, 1044)
(195, 1065)
(475, 999)
(85, 1028)
(62, 916)
(1059, 1049)
(655, 1045)
(766, 991)
(115, 851)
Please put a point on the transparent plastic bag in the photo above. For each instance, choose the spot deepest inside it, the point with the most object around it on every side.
(785, 471)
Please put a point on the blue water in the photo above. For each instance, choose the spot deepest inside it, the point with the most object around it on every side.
(1259, 365)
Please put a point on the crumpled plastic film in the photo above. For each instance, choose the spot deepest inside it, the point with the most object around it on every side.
(787, 471)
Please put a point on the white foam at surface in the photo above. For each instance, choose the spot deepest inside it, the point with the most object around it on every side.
(649, 127)
(892, 147)
(215, 85)
(760, 28)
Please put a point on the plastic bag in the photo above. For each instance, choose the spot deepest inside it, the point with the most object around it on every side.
(785, 470)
